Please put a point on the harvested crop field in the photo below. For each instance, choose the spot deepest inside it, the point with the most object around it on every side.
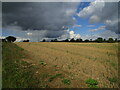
(74, 65)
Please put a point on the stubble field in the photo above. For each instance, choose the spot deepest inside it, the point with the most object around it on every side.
(74, 65)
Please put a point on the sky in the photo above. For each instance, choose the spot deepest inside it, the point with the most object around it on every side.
(62, 20)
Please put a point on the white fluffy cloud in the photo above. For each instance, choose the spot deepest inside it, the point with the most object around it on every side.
(73, 35)
(101, 11)
(94, 6)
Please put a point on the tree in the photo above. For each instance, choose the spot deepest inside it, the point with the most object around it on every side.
(52, 40)
(66, 40)
(3, 40)
(55, 40)
(44, 40)
(86, 40)
(110, 40)
(72, 40)
(104, 40)
(116, 39)
(25, 40)
(10, 39)
(90, 40)
(79, 40)
(99, 40)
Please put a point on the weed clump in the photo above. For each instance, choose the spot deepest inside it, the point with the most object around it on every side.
(43, 63)
(66, 81)
(112, 80)
(92, 83)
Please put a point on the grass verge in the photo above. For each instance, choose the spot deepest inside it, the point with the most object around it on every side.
(16, 73)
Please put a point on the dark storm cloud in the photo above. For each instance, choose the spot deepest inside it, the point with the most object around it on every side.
(38, 15)
(54, 34)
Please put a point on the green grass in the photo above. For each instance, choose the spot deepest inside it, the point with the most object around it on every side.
(112, 80)
(113, 64)
(92, 83)
(54, 65)
(66, 81)
(55, 70)
(16, 73)
(92, 86)
(54, 76)
(45, 75)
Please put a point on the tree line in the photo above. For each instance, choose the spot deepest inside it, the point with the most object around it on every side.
(98, 40)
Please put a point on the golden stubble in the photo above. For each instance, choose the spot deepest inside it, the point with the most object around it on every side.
(81, 60)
